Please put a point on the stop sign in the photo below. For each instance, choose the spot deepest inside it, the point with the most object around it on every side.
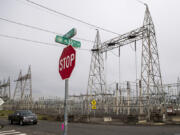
(67, 62)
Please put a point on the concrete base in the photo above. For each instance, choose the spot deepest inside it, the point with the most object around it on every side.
(142, 122)
(164, 117)
(175, 118)
(107, 119)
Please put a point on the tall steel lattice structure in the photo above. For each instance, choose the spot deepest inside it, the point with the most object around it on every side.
(5, 91)
(151, 79)
(151, 91)
(23, 89)
(96, 81)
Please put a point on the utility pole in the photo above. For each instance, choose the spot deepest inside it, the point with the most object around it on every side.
(117, 103)
(140, 98)
(128, 93)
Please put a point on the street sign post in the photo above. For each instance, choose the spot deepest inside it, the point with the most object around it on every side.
(1, 101)
(66, 66)
(71, 33)
(67, 41)
(93, 104)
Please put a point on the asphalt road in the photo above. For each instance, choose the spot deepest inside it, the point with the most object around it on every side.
(54, 128)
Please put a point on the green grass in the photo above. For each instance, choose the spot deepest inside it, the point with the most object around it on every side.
(5, 113)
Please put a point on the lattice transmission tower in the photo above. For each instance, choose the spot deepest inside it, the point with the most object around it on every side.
(23, 89)
(5, 92)
(151, 91)
(96, 80)
(151, 79)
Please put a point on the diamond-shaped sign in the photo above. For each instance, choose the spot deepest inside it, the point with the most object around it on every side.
(93, 102)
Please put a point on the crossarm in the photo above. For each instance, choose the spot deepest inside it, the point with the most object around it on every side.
(122, 40)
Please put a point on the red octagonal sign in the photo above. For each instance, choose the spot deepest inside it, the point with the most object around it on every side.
(67, 62)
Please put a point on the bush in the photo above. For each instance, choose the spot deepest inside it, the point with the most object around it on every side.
(5, 113)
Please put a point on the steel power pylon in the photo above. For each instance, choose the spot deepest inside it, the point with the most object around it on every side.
(96, 80)
(151, 81)
(23, 89)
(5, 91)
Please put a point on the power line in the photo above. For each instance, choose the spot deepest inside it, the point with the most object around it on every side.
(73, 18)
(34, 41)
(40, 29)
(29, 40)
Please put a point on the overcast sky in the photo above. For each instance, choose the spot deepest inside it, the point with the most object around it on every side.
(120, 16)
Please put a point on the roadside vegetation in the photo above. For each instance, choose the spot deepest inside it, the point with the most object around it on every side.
(5, 113)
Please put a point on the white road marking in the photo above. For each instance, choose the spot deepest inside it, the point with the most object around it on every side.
(11, 132)
(7, 131)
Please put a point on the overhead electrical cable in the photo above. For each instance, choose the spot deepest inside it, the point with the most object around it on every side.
(28, 40)
(34, 41)
(40, 29)
(73, 18)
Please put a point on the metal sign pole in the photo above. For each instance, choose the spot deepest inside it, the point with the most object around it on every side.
(65, 107)
(66, 66)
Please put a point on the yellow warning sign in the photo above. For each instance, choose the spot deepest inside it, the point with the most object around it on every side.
(93, 102)
(93, 107)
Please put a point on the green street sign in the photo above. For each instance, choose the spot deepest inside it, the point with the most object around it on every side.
(71, 33)
(66, 41)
